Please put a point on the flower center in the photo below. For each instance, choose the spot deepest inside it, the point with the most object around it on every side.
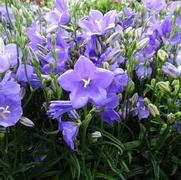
(4, 112)
(86, 82)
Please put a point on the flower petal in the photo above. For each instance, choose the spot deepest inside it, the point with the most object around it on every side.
(97, 95)
(84, 67)
(102, 78)
(69, 80)
(79, 98)
(4, 63)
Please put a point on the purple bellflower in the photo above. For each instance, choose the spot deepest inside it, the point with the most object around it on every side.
(58, 108)
(70, 131)
(141, 110)
(8, 56)
(59, 16)
(86, 83)
(109, 114)
(10, 103)
(97, 23)
(171, 70)
(154, 5)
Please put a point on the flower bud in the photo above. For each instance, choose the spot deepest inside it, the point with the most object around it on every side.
(153, 110)
(134, 99)
(128, 31)
(153, 82)
(106, 65)
(175, 83)
(27, 122)
(143, 43)
(177, 11)
(131, 87)
(171, 118)
(162, 55)
(147, 101)
(113, 37)
(98, 47)
(178, 115)
(164, 87)
(95, 136)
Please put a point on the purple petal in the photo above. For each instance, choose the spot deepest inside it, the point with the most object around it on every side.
(69, 80)
(4, 65)
(84, 67)
(79, 98)
(102, 78)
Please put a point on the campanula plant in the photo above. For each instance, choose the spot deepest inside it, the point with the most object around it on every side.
(91, 93)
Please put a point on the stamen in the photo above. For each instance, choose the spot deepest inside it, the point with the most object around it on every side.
(86, 82)
(4, 112)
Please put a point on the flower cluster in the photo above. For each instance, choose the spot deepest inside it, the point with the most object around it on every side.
(111, 66)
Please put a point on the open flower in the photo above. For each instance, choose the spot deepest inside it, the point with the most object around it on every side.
(8, 56)
(154, 5)
(97, 23)
(10, 103)
(59, 16)
(86, 83)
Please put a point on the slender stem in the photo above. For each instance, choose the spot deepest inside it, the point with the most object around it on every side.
(10, 22)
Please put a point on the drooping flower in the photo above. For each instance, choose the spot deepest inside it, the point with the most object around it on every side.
(86, 83)
(8, 56)
(154, 5)
(70, 131)
(59, 16)
(141, 110)
(35, 36)
(58, 108)
(109, 114)
(120, 81)
(170, 70)
(97, 23)
(62, 53)
(143, 70)
(10, 103)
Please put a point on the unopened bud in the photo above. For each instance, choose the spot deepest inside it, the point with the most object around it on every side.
(106, 65)
(26, 122)
(162, 55)
(134, 99)
(164, 87)
(131, 87)
(95, 136)
(153, 82)
(143, 43)
(153, 110)
(146, 101)
(178, 115)
(171, 118)
(113, 37)
(128, 30)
